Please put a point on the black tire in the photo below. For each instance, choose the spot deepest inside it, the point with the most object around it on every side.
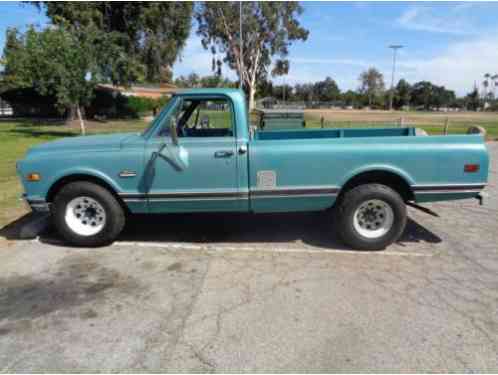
(114, 214)
(351, 201)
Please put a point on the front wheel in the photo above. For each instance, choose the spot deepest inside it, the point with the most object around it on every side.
(370, 217)
(87, 214)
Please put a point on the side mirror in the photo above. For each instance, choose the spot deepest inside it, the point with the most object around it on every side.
(174, 154)
(172, 132)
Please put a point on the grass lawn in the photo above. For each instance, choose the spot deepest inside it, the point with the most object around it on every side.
(432, 122)
(17, 136)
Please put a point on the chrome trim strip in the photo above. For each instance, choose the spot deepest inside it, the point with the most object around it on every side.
(284, 191)
(126, 174)
(295, 191)
(293, 196)
(186, 195)
(294, 188)
(448, 187)
(181, 199)
(446, 192)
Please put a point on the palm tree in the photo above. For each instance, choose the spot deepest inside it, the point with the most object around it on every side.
(494, 82)
(485, 83)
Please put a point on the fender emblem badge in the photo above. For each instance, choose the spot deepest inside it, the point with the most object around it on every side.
(125, 174)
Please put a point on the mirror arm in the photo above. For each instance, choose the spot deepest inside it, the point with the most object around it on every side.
(172, 132)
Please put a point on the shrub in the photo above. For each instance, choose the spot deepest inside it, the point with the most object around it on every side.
(108, 104)
(140, 106)
(26, 102)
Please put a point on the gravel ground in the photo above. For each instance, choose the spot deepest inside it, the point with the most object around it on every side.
(216, 293)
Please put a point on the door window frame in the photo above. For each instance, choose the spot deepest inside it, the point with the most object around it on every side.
(164, 118)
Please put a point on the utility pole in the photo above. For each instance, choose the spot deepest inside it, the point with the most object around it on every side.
(395, 48)
(241, 47)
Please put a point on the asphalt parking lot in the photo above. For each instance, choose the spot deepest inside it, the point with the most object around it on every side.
(217, 293)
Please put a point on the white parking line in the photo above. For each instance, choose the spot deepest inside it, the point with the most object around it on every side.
(261, 248)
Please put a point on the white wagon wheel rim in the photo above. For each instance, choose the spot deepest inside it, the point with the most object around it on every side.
(85, 216)
(373, 218)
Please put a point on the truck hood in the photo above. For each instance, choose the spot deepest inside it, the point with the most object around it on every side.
(84, 143)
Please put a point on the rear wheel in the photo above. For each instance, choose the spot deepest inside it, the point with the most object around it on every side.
(86, 214)
(370, 217)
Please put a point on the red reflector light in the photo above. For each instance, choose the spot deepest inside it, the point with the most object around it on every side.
(470, 168)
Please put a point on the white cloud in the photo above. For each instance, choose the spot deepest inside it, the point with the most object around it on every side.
(424, 19)
(458, 67)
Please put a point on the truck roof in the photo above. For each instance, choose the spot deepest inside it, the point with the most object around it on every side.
(213, 90)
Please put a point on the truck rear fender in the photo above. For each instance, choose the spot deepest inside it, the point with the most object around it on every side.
(387, 175)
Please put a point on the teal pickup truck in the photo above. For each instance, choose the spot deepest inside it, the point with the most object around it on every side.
(200, 154)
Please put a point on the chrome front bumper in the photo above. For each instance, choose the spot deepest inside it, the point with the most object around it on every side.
(36, 205)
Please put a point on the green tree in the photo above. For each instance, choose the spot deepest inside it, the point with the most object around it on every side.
(63, 62)
(283, 92)
(427, 95)
(472, 100)
(305, 92)
(421, 94)
(194, 80)
(327, 90)
(217, 81)
(191, 81)
(12, 60)
(402, 94)
(268, 29)
(371, 84)
(351, 98)
(265, 88)
(443, 97)
(151, 34)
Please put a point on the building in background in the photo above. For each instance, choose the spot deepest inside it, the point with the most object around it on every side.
(143, 91)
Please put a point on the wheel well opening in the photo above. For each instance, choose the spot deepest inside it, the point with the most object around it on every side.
(390, 179)
(55, 188)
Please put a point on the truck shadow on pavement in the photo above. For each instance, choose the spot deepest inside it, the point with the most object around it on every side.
(313, 229)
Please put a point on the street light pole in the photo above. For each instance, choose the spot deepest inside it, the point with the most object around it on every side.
(241, 65)
(395, 48)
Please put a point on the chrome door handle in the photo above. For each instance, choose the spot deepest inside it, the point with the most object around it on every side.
(242, 149)
(223, 154)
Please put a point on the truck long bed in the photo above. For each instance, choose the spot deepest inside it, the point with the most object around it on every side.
(333, 133)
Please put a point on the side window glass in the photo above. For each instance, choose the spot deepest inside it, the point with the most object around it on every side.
(177, 114)
(207, 118)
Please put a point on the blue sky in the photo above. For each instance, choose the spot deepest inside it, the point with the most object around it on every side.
(450, 43)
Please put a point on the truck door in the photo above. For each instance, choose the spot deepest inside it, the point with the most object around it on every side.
(207, 180)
